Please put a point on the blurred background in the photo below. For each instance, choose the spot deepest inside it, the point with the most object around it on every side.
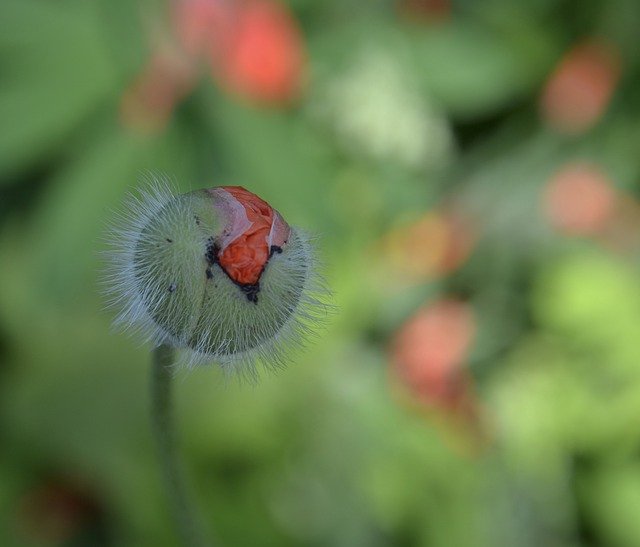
(472, 170)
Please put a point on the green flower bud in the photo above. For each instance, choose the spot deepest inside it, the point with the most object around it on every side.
(217, 272)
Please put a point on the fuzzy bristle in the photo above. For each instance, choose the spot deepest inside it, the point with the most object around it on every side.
(161, 280)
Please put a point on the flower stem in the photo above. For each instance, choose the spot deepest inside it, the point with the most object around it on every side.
(172, 470)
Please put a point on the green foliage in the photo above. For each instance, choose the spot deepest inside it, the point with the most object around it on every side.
(408, 117)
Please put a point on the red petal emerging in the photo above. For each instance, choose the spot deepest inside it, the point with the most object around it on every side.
(253, 228)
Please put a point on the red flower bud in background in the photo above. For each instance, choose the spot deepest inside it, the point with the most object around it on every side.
(622, 234)
(579, 90)
(432, 246)
(199, 24)
(580, 199)
(428, 355)
(148, 103)
(254, 47)
(262, 56)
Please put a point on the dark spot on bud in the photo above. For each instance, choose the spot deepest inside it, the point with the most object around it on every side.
(173, 287)
(274, 249)
(211, 253)
(169, 240)
(197, 218)
(251, 291)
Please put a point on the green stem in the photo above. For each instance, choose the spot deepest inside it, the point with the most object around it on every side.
(181, 504)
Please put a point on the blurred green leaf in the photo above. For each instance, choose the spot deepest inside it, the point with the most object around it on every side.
(57, 71)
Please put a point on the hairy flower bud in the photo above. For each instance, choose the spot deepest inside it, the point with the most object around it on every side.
(215, 271)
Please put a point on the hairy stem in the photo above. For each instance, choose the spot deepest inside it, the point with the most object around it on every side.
(183, 509)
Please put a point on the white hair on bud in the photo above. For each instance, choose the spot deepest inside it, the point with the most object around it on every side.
(169, 293)
(121, 287)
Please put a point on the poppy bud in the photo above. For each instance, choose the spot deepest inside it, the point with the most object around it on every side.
(217, 272)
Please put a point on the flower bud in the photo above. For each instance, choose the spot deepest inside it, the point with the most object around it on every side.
(215, 271)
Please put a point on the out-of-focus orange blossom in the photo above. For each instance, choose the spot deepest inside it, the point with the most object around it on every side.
(200, 24)
(579, 199)
(432, 246)
(622, 234)
(428, 355)
(580, 88)
(254, 49)
(167, 78)
(264, 58)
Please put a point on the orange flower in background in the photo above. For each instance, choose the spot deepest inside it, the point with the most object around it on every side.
(199, 24)
(254, 48)
(622, 234)
(580, 199)
(148, 103)
(263, 55)
(436, 244)
(428, 355)
(579, 90)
